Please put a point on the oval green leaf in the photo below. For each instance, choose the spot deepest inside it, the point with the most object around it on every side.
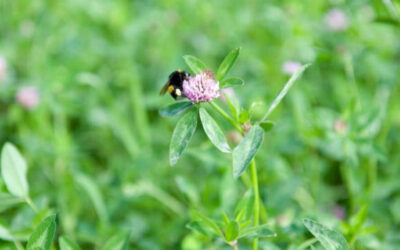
(284, 90)
(175, 109)
(5, 234)
(246, 150)
(267, 125)
(257, 232)
(232, 231)
(195, 64)
(118, 241)
(209, 222)
(8, 201)
(329, 239)
(42, 236)
(227, 64)
(94, 194)
(67, 244)
(231, 82)
(214, 132)
(182, 135)
(13, 170)
(195, 226)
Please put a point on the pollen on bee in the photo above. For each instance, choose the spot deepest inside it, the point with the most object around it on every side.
(179, 71)
(170, 89)
(178, 92)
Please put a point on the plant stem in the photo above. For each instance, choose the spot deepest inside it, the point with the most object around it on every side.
(254, 178)
(228, 117)
(256, 212)
(31, 204)
(18, 245)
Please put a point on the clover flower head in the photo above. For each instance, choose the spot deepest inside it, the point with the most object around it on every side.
(201, 87)
(28, 97)
(290, 67)
(336, 19)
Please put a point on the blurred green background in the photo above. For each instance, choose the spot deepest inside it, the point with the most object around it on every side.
(97, 149)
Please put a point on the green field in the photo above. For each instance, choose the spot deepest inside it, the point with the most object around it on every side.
(80, 103)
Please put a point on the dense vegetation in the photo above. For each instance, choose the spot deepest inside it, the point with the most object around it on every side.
(79, 101)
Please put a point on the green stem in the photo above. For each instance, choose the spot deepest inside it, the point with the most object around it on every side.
(31, 204)
(371, 175)
(254, 178)
(256, 212)
(18, 245)
(228, 117)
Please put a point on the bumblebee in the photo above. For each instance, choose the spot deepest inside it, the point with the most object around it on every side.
(174, 84)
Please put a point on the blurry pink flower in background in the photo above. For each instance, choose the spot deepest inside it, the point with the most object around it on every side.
(339, 212)
(3, 68)
(339, 126)
(290, 67)
(28, 97)
(228, 92)
(336, 19)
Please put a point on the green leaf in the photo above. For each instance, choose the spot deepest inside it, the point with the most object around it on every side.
(257, 232)
(67, 244)
(246, 150)
(94, 194)
(8, 201)
(208, 222)
(195, 226)
(329, 239)
(245, 206)
(182, 135)
(5, 234)
(358, 220)
(195, 64)
(118, 241)
(284, 91)
(231, 82)
(244, 116)
(267, 125)
(175, 109)
(225, 218)
(214, 132)
(188, 188)
(13, 170)
(227, 64)
(231, 231)
(42, 236)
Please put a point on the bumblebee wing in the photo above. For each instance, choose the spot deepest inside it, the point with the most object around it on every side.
(164, 88)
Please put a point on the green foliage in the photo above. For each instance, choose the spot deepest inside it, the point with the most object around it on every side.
(13, 171)
(95, 148)
(43, 235)
(195, 64)
(329, 239)
(175, 109)
(227, 64)
(119, 241)
(246, 150)
(231, 82)
(182, 135)
(67, 244)
(213, 131)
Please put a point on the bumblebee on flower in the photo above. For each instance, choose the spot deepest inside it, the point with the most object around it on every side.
(201, 87)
